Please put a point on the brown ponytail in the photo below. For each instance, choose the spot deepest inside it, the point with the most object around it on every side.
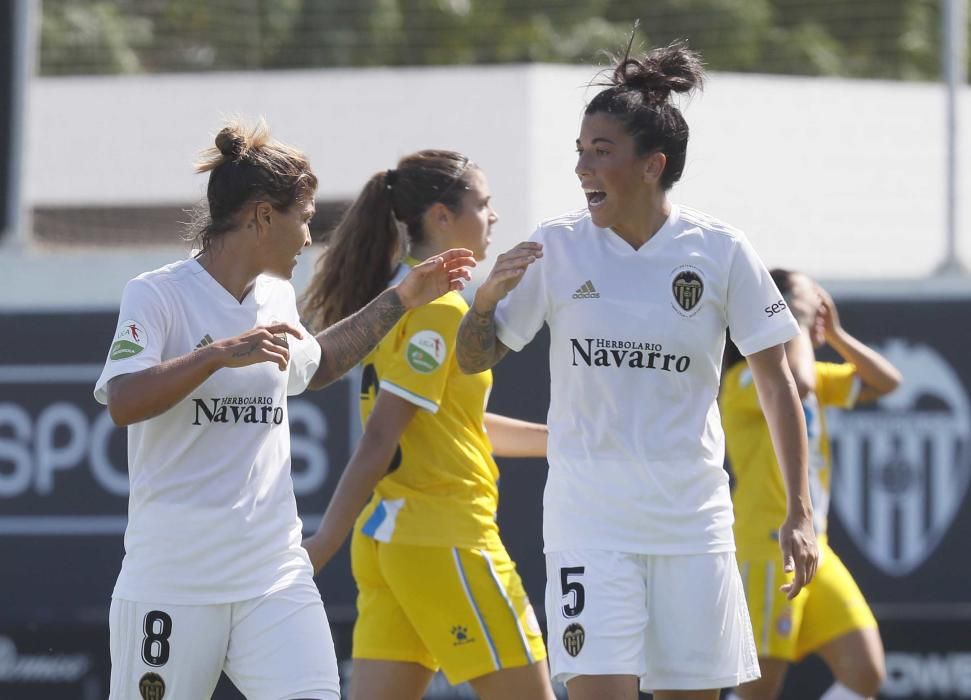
(364, 250)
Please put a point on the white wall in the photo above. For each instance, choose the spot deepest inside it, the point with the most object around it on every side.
(844, 179)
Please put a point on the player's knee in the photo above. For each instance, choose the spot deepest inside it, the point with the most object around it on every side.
(865, 678)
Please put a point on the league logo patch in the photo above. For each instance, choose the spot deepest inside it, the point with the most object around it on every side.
(901, 469)
(573, 638)
(129, 340)
(151, 687)
(425, 351)
(687, 288)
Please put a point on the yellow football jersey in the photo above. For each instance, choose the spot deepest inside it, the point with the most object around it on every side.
(759, 496)
(441, 486)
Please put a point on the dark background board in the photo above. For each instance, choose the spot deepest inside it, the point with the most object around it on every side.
(8, 13)
(62, 506)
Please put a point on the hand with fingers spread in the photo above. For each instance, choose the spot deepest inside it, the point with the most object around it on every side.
(436, 276)
(800, 555)
(262, 344)
(506, 274)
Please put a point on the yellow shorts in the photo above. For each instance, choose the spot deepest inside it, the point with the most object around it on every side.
(829, 607)
(463, 610)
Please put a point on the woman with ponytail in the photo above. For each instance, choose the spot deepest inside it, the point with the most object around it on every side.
(832, 619)
(204, 356)
(642, 584)
(436, 586)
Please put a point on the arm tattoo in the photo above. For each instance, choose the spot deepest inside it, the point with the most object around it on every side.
(346, 343)
(248, 351)
(477, 348)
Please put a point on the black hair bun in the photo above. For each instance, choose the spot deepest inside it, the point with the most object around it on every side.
(662, 71)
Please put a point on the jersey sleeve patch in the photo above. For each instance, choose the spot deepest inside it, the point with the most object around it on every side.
(425, 351)
(130, 340)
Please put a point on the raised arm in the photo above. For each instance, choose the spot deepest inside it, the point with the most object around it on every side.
(346, 343)
(787, 427)
(799, 350)
(367, 466)
(878, 375)
(477, 347)
(150, 392)
(511, 437)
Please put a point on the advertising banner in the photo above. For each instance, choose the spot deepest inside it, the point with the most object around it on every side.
(900, 518)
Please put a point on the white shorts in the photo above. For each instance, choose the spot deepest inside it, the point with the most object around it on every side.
(677, 622)
(276, 647)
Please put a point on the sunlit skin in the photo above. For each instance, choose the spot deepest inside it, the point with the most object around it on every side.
(470, 227)
(805, 292)
(289, 234)
(266, 241)
(622, 188)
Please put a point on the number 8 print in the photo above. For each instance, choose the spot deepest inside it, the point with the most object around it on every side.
(158, 629)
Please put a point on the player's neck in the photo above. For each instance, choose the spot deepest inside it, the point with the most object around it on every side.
(642, 220)
(231, 268)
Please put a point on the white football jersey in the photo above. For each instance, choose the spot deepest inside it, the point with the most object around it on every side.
(212, 516)
(636, 339)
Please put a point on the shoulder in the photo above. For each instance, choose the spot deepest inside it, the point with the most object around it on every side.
(708, 225)
(564, 225)
(448, 309)
(154, 283)
(834, 370)
(276, 289)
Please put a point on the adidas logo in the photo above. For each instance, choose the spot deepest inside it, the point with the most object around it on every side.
(206, 340)
(586, 291)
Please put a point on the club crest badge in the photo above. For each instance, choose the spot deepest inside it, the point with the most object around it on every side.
(573, 637)
(151, 687)
(688, 287)
(901, 467)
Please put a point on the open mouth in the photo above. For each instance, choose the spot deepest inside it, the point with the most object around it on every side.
(595, 198)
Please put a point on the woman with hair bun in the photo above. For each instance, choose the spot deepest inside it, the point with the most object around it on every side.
(204, 356)
(436, 587)
(642, 585)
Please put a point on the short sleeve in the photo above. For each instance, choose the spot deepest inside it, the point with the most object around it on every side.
(304, 360)
(524, 310)
(139, 336)
(757, 316)
(837, 384)
(418, 368)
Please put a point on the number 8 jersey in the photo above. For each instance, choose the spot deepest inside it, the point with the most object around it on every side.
(636, 339)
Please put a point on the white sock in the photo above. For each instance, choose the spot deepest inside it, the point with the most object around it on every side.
(838, 691)
(731, 696)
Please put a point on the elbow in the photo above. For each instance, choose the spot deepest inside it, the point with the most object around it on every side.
(889, 384)
(894, 380)
(119, 415)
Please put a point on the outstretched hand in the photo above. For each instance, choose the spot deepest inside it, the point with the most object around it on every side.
(442, 273)
(506, 274)
(800, 555)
